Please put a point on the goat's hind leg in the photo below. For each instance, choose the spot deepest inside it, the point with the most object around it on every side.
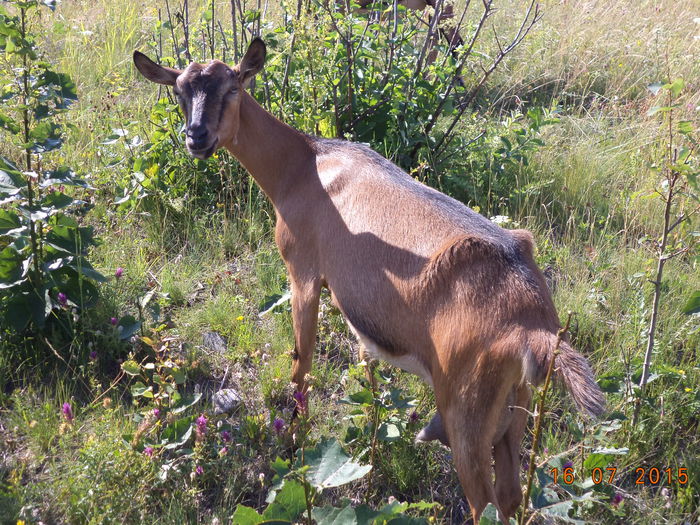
(507, 454)
(470, 423)
(471, 451)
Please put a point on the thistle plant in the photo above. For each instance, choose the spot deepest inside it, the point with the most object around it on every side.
(45, 277)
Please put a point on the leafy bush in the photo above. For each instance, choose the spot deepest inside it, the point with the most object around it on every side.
(337, 73)
(46, 279)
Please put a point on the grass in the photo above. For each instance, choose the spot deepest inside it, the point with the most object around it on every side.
(587, 194)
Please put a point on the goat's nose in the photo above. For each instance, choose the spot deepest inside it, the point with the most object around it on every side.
(197, 137)
(197, 133)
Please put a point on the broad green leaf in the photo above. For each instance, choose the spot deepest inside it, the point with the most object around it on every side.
(56, 201)
(61, 83)
(610, 383)
(127, 327)
(693, 304)
(685, 127)
(273, 302)
(289, 503)
(45, 136)
(335, 516)
(8, 221)
(18, 312)
(69, 239)
(86, 269)
(246, 516)
(177, 433)
(675, 87)
(13, 267)
(8, 123)
(388, 432)
(561, 512)
(658, 109)
(602, 457)
(363, 397)
(281, 468)
(11, 180)
(139, 389)
(489, 516)
(131, 367)
(186, 402)
(330, 466)
(64, 176)
(178, 376)
(655, 87)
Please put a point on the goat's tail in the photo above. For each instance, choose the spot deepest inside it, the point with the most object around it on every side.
(573, 369)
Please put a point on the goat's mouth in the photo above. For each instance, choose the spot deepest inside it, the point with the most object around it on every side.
(206, 152)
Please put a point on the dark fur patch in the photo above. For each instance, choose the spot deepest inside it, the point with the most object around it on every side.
(369, 329)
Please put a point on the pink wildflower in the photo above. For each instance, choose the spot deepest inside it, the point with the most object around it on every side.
(67, 412)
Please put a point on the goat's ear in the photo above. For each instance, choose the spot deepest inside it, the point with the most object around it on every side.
(253, 61)
(155, 72)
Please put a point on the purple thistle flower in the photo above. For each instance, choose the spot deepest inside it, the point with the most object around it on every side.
(300, 398)
(67, 412)
(414, 417)
(617, 499)
(62, 298)
(119, 272)
(278, 425)
(226, 436)
(568, 464)
(93, 355)
(201, 425)
(113, 321)
(199, 470)
(156, 412)
(148, 451)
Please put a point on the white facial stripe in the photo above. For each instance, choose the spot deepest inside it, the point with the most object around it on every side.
(197, 108)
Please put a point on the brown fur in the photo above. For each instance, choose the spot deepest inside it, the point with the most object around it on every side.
(426, 283)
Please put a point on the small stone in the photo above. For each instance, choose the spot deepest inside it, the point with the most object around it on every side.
(225, 401)
(215, 341)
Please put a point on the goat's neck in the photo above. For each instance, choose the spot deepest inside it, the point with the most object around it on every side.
(275, 154)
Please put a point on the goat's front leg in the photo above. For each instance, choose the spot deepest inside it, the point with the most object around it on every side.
(305, 298)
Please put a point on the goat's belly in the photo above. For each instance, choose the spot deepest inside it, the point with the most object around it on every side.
(404, 361)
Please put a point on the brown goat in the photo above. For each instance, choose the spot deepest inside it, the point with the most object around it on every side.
(425, 283)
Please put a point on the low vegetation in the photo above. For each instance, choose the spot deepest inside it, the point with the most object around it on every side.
(145, 326)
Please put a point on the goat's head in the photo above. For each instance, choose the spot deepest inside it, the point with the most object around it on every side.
(209, 95)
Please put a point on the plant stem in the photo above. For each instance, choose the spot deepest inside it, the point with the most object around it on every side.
(36, 256)
(671, 178)
(538, 421)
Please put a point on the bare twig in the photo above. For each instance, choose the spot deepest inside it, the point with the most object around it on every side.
(526, 26)
(458, 72)
(540, 412)
(186, 28)
(235, 31)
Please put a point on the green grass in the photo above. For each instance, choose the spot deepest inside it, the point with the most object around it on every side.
(587, 194)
